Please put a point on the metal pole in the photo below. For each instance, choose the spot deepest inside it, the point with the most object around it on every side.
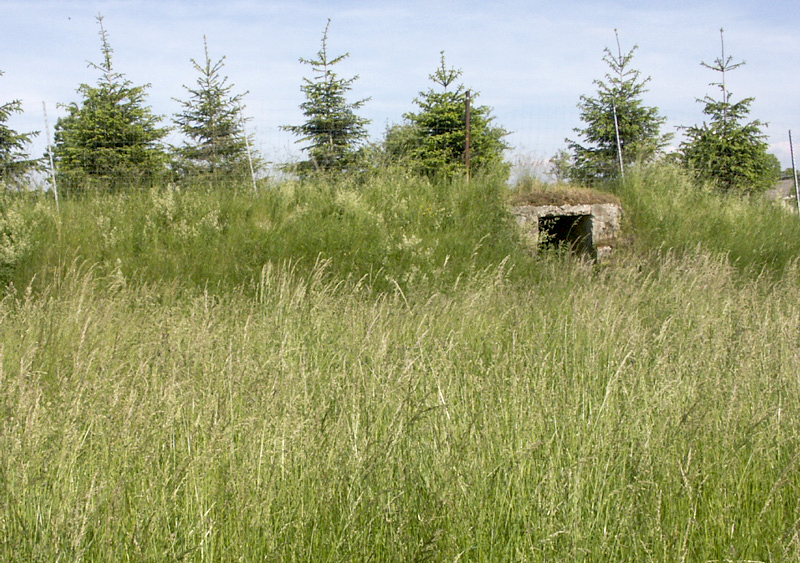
(619, 143)
(247, 145)
(50, 152)
(794, 172)
(468, 147)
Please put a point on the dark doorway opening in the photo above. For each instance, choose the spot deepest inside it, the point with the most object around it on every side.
(572, 232)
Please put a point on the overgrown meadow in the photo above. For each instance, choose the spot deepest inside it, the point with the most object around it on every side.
(378, 369)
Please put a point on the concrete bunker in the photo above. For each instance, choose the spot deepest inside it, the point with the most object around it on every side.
(581, 221)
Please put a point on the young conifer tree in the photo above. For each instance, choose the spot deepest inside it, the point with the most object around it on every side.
(729, 152)
(334, 132)
(433, 140)
(15, 162)
(111, 138)
(212, 120)
(620, 129)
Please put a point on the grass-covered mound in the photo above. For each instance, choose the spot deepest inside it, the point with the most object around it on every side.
(396, 229)
(669, 213)
(389, 230)
(563, 195)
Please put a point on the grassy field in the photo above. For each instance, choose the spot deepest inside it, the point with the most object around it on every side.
(379, 371)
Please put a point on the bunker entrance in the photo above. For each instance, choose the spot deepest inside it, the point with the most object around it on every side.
(573, 232)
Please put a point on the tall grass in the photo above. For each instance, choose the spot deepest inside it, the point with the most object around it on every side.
(627, 416)
(395, 229)
(668, 211)
(348, 394)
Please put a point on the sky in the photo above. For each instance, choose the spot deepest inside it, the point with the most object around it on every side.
(530, 61)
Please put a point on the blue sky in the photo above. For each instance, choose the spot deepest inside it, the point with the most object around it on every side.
(531, 61)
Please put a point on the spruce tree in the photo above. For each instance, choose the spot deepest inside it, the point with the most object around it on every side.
(333, 131)
(620, 128)
(212, 121)
(111, 138)
(433, 141)
(729, 152)
(15, 162)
